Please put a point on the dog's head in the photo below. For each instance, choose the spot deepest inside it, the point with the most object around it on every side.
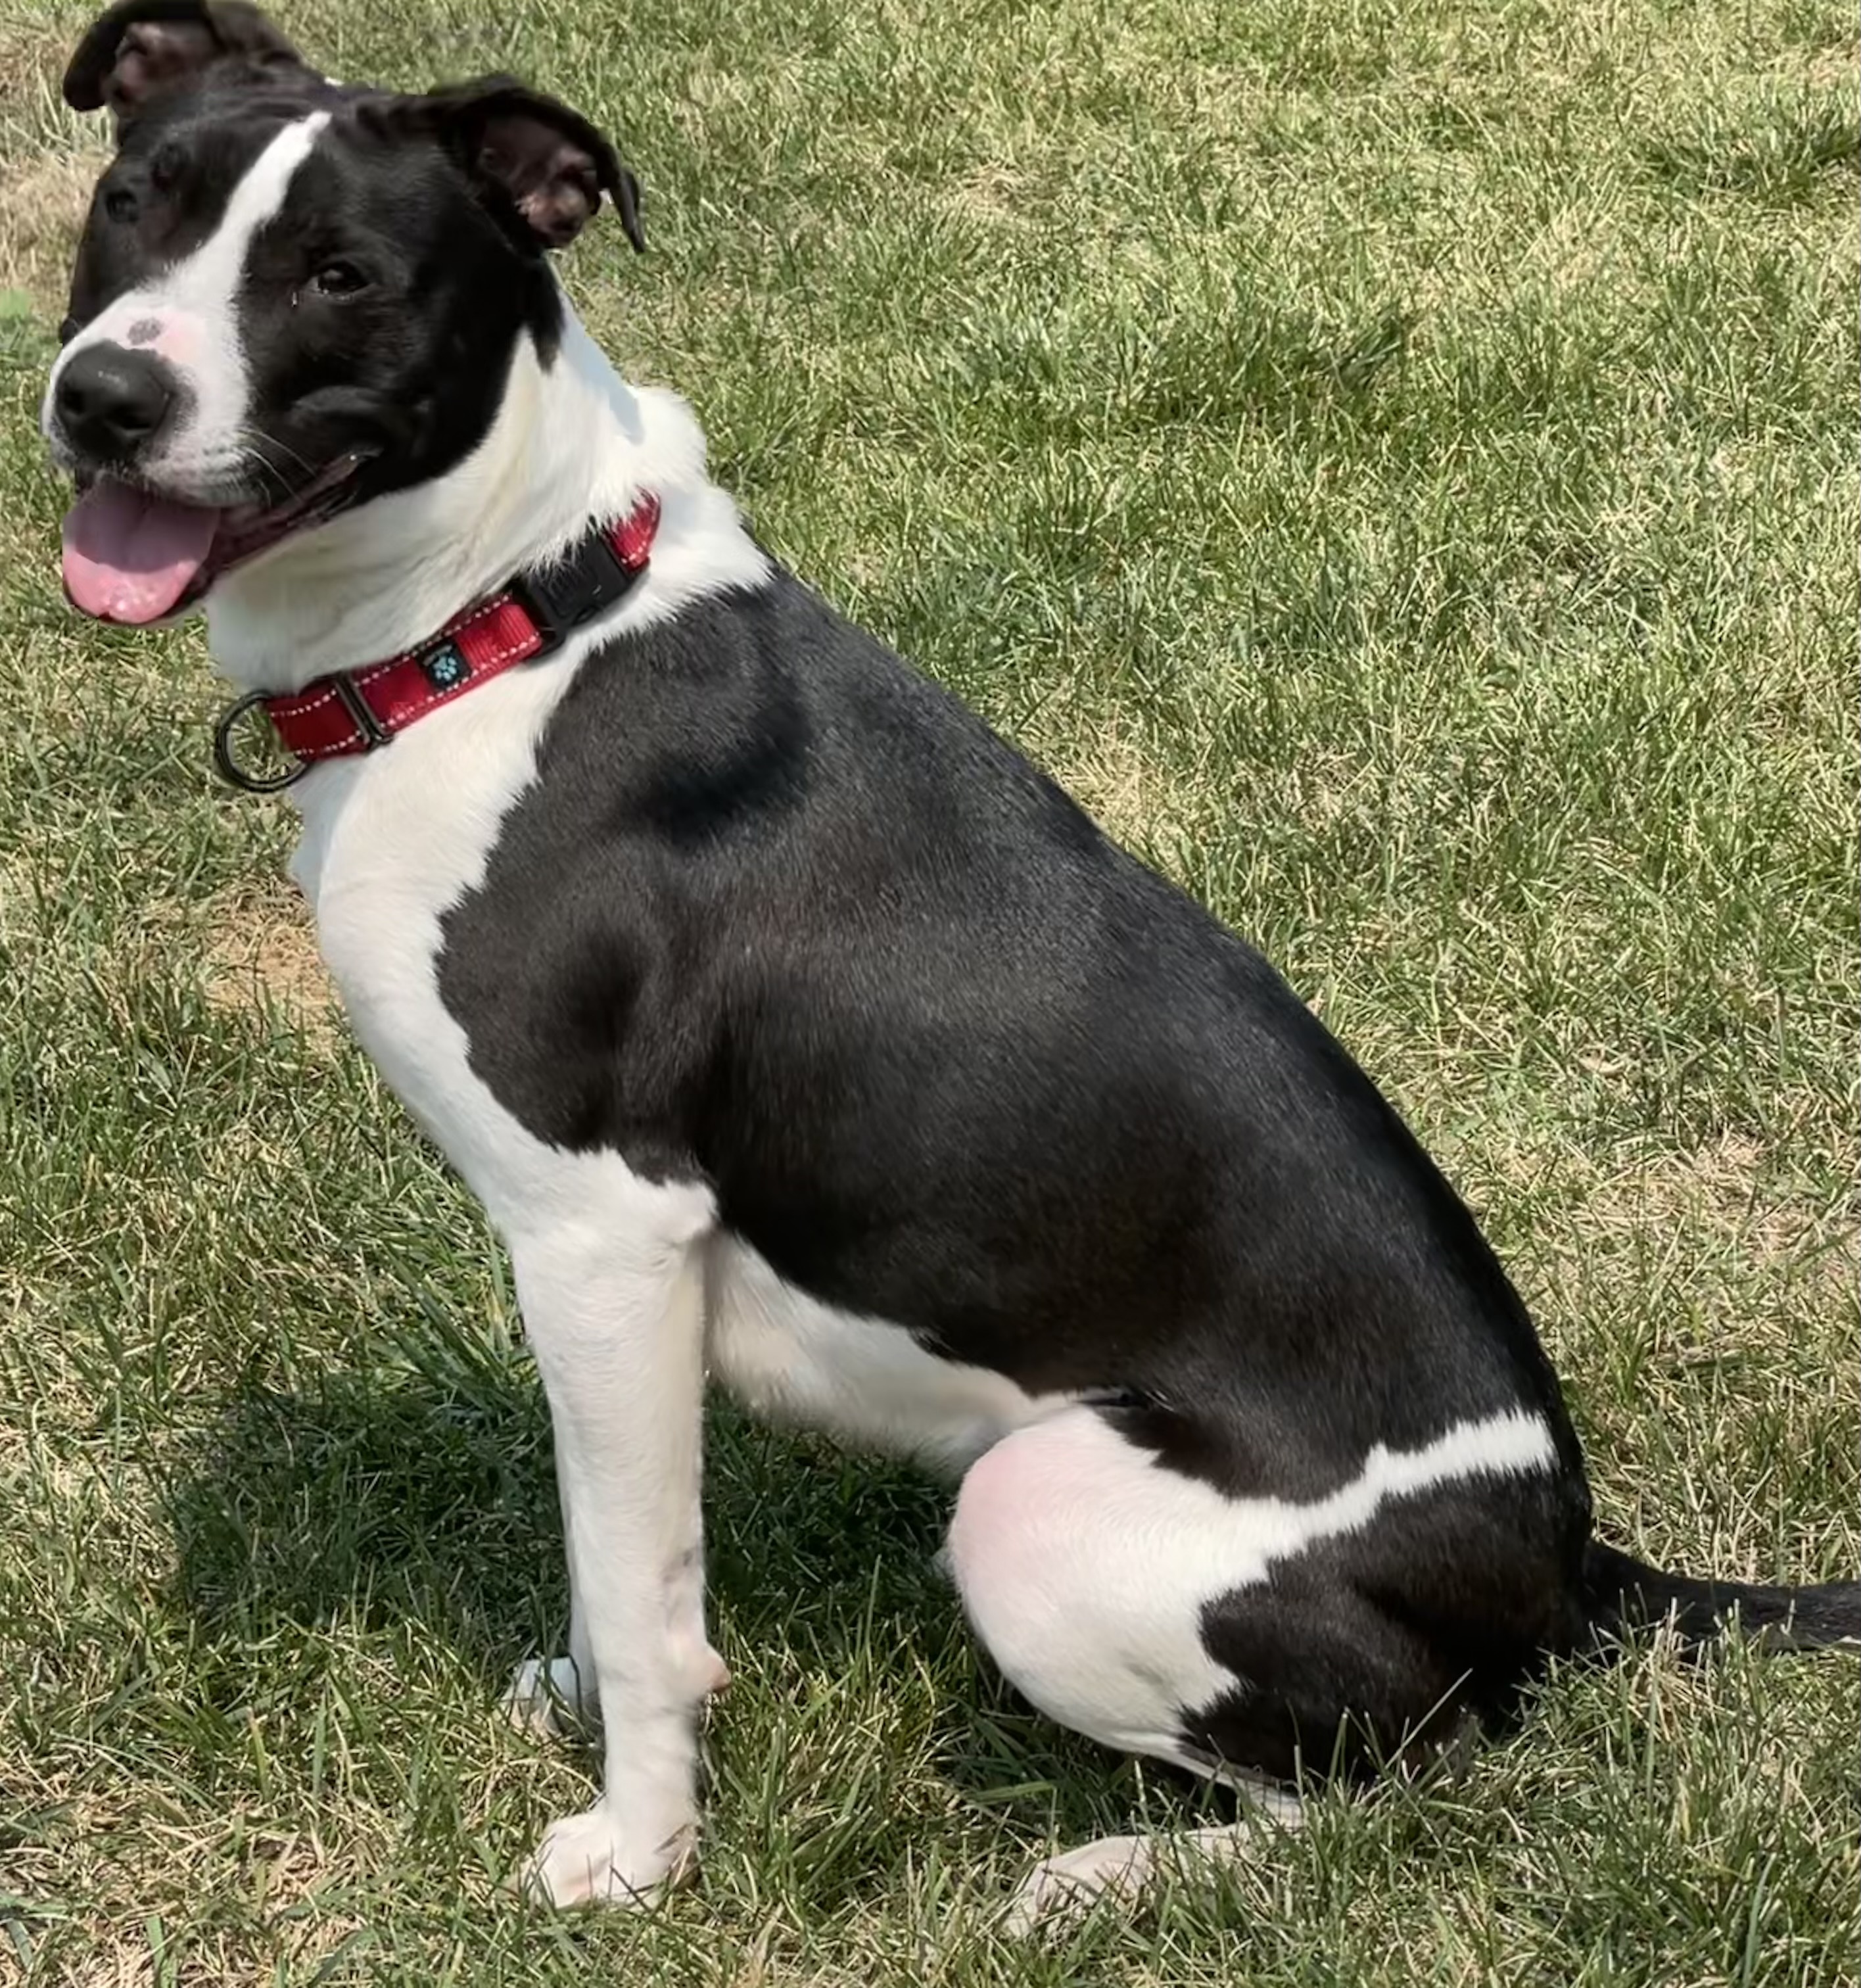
(291, 295)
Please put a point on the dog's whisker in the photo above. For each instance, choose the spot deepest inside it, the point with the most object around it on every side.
(263, 442)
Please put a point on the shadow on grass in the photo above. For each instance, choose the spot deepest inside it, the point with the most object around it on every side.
(427, 1490)
(417, 1490)
(370, 1495)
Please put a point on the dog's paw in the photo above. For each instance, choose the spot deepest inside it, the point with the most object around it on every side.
(592, 1859)
(1124, 1867)
(547, 1700)
(1117, 1867)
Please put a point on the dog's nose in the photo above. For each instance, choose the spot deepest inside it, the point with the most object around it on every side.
(110, 401)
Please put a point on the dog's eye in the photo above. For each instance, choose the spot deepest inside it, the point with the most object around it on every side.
(338, 278)
(121, 205)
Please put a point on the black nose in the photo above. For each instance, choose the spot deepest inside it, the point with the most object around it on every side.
(110, 401)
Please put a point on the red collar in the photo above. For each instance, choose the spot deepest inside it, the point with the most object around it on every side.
(355, 710)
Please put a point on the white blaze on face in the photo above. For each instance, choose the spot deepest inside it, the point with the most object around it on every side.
(189, 315)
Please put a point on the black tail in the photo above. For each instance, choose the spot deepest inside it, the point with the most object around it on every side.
(1621, 1594)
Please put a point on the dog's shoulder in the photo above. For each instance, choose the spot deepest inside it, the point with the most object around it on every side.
(750, 805)
(759, 717)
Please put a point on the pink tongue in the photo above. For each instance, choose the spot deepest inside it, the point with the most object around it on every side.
(129, 557)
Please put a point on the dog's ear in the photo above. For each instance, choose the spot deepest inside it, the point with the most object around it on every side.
(141, 49)
(547, 162)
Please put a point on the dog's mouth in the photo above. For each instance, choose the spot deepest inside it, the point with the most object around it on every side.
(133, 555)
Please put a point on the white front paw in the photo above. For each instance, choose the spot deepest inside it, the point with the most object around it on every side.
(594, 1859)
(547, 1698)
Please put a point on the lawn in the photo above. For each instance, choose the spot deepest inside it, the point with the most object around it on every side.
(1397, 463)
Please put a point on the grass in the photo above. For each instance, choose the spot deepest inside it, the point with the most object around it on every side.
(1396, 463)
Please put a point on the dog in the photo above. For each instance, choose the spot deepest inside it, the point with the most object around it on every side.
(793, 1028)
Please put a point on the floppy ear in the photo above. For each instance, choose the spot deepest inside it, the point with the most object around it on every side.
(548, 161)
(140, 48)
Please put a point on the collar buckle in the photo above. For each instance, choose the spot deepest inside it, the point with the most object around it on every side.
(334, 716)
(560, 598)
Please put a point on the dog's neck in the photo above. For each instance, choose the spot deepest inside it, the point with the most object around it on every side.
(571, 442)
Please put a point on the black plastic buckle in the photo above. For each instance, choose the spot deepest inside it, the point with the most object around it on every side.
(561, 598)
(229, 768)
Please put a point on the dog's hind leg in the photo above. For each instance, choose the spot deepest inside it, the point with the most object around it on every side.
(1248, 1639)
(550, 1695)
(613, 1304)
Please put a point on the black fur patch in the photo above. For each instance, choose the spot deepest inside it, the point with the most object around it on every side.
(779, 914)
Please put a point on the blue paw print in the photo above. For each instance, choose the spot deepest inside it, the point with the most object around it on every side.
(445, 668)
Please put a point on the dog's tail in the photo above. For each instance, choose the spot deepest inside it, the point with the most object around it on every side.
(1622, 1594)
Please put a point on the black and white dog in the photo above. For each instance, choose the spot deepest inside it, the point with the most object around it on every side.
(792, 1028)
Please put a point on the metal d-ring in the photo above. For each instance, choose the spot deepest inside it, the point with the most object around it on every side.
(229, 768)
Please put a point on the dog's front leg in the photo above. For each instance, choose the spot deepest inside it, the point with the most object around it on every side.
(614, 1307)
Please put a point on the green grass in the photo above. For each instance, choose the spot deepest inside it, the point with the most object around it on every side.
(1397, 462)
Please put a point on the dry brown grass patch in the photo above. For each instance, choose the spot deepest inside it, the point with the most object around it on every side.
(32, 52)
(265, 955)
(1114, 778)
(992, 192)
(1723, 1185)
(42, 206)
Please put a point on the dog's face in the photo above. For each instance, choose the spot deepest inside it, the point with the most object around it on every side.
(291, 296)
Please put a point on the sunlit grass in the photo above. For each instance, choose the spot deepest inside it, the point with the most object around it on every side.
(1397, 463)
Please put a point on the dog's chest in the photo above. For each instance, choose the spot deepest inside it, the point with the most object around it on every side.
(393, 840)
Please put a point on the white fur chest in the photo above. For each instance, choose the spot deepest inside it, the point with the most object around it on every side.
(391, 841)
